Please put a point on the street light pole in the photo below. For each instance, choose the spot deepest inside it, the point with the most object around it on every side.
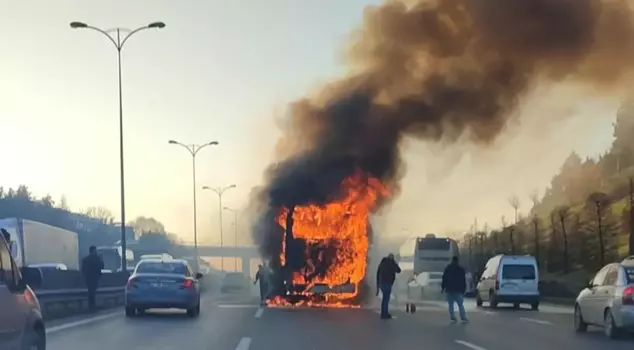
(235, 235)
(193, 150)
(118, 43)
(219, 191)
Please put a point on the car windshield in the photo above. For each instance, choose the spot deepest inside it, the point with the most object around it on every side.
(161, 267)
(433, 244)
(518, 272)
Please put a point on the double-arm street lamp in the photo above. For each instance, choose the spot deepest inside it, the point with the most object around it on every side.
(119, 40)
(219, 191)
(235, 235)
(193, 150)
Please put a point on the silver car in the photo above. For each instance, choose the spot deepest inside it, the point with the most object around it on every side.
(608, 300)
(163, 284)
(21, 324)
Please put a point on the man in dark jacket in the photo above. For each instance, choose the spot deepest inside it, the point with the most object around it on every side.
(91, 267)
(454, 284)
(385, 277)
(262, 276)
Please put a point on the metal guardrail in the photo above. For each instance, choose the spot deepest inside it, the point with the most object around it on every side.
(68, 302)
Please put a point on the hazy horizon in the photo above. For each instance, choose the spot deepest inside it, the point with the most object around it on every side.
(226, 71)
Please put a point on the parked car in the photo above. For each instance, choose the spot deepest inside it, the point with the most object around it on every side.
(509, 279)
(163, 284)
(608, 300)
(21, 324)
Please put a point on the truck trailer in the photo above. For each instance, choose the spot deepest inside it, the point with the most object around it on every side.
(33, 242)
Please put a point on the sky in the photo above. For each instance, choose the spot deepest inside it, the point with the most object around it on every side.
(223, 71)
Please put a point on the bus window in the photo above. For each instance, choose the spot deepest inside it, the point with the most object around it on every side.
(434, 244)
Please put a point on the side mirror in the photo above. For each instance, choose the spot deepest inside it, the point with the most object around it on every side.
(199, 275)
(590, 285)
(32, 277)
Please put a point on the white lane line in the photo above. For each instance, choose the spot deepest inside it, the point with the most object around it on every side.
(64, 326)
(526, 319)
(469, 345)
(378, 312)
(244, 344)
(258, 314)
(238, 306)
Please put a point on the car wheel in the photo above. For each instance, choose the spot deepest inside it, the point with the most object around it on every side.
(478, 300)
(194, 312)
(130, 311)
(34, 340)
(493, 303)
(516, 305)
(535, 306)
(580, 325)
(609, 327)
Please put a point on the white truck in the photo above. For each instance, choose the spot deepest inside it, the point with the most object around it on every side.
(37, 243)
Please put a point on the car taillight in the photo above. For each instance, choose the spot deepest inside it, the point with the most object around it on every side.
(28, 296)
(131, 282)
(187, 283)
(497, 285)
(628, 296)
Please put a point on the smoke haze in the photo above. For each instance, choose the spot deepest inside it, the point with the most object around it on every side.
(450, 72)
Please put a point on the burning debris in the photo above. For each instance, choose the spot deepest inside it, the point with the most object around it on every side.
(432, 70)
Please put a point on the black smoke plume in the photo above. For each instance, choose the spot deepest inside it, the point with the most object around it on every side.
(437, 71)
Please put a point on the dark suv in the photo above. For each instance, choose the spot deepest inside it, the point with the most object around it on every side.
(21, 325)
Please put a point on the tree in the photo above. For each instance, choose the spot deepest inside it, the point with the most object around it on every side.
(23, 193)
(631, 217)
(102, 213)
(599, 203)
(553, 247)
(563, 213)
(535, 221)
(47, 201)
(511, 230)
(144, 225)
(514, 201)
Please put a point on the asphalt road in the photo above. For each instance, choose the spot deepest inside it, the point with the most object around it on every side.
(237, 323)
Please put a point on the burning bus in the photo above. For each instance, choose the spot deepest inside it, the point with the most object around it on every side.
(324, 247)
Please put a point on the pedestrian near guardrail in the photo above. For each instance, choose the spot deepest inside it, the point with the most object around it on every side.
(91, 267)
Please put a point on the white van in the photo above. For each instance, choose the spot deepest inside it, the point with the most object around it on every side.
(509, 279)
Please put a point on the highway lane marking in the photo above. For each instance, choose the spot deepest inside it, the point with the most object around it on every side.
(64, 326)
(469, 345)
(244, 344)
(258, 314)
(378, 312)
(526, 319)
(238, 306)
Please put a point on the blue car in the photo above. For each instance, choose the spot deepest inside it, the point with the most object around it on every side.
(163, 284)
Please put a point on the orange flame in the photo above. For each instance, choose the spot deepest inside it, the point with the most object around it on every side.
(342, 223)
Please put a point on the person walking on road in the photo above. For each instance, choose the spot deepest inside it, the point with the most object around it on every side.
(385, 277)
(263, 277)
(91, 267)
(454, 285)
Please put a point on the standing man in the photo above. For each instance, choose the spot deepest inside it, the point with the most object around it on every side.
(91, 267)
(454, 284)
(263, 277)
(385, 277)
